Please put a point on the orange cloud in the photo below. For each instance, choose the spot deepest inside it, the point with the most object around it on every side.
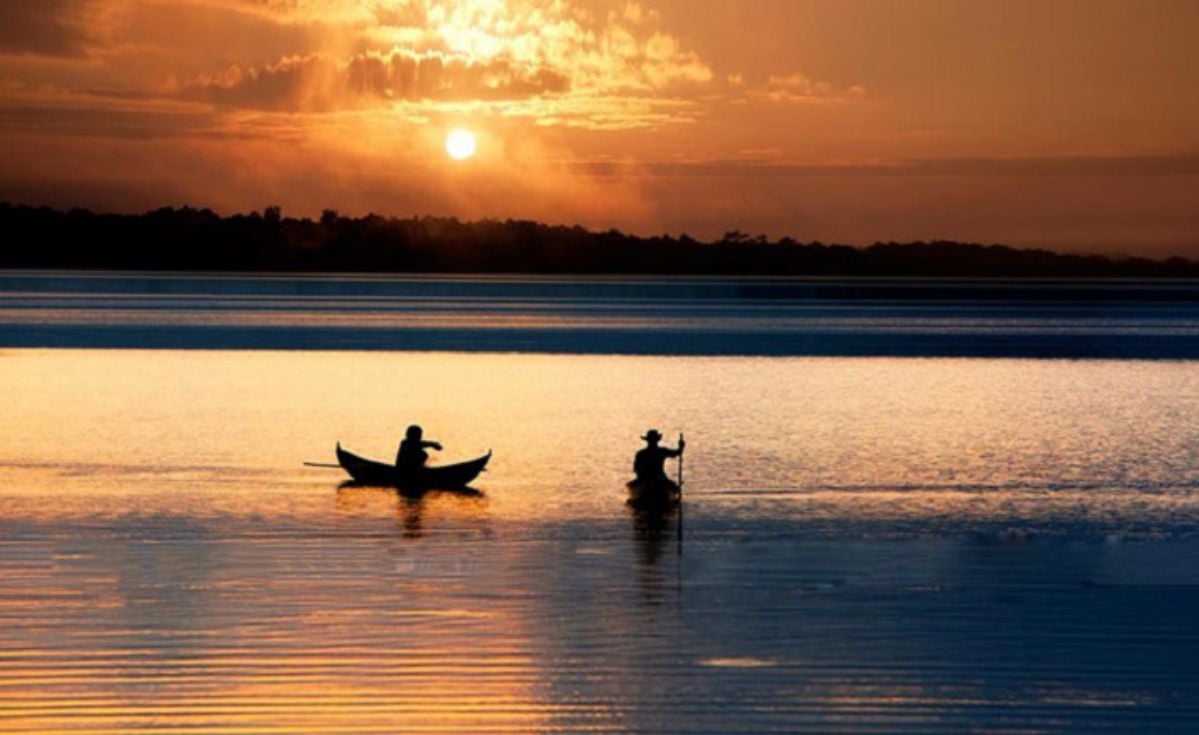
(320, 83)
(799, 88)
(552, 60)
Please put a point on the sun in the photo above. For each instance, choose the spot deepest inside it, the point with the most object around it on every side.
(460, 144)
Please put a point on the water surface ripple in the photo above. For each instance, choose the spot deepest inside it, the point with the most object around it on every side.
(880, 544)
(691, 316)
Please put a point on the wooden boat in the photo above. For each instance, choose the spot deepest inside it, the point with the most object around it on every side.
(654, 495)
(447, 477)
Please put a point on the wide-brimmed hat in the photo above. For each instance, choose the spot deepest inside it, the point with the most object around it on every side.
(652, 434)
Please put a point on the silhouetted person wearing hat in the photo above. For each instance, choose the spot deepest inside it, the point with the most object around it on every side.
(650, 463)
(412, 454)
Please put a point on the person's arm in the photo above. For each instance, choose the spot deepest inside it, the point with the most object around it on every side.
(676, 452)
(431, 445)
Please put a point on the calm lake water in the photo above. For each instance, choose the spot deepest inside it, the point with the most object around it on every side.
(910, 507)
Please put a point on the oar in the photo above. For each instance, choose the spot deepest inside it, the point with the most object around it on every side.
(323, 465)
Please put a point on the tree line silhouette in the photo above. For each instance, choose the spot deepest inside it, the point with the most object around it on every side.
(189, 239)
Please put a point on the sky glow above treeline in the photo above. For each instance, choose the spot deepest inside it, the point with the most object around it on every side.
(1070, 124)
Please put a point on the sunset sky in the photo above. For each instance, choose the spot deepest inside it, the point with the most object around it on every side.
(1072, 124)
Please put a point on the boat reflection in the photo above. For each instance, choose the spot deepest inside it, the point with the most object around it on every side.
(655, 531)
(410, 507)
(461, 492)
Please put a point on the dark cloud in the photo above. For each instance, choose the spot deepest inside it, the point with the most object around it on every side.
(104, 122)
(319, 82)
(1180, 164)
(42, 28)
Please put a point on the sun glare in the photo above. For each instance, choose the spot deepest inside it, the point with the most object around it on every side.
(461, 144)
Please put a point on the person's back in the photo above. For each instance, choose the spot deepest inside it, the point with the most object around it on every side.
(412, 454)
(649, 464)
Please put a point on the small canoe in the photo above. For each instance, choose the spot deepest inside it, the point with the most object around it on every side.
(653, 495)
(447, 477)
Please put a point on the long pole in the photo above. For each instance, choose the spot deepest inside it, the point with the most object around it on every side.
(681, 495)
(680, 464)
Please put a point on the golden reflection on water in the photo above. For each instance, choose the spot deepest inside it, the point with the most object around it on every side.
(181, 410)
(223, 433)
(167, 564)
(237, 635)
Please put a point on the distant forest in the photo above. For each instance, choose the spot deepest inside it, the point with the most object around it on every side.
(190, 239)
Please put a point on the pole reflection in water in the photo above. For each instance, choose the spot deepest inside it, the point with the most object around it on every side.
(656, 540)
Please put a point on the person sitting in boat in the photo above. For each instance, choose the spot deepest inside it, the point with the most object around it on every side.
(650, 463)
(412, 454)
